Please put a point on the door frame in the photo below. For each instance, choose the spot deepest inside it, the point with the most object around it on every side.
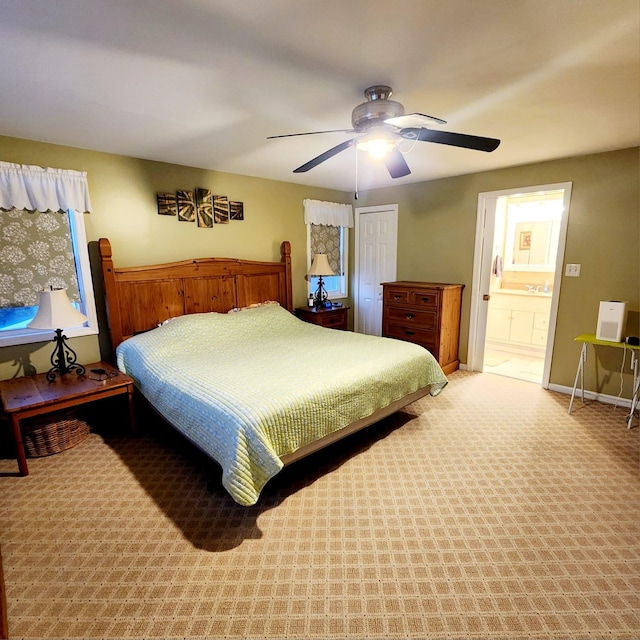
(482, 274)
(359, 211)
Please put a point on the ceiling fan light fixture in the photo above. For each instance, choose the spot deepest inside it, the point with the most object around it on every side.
(383, 125)
(377, 147)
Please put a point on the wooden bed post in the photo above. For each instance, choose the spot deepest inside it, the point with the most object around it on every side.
(285, 256)
(111, 292)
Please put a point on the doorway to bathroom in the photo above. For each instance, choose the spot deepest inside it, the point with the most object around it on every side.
(517, 275)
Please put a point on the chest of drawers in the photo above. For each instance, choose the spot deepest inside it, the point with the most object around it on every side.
(427, 313)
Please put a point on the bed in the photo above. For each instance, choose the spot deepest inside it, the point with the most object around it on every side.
(213, 346)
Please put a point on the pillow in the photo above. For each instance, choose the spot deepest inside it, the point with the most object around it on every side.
(253, 306)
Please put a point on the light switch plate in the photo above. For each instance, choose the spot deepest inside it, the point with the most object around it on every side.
(572, 270)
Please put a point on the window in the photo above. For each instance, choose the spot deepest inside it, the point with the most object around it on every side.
(333, 241)
(328, 232)
(42, 245)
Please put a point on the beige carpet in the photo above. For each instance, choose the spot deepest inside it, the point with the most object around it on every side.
(486, 512)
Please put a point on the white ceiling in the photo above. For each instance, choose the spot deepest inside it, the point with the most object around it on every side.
(204, 82)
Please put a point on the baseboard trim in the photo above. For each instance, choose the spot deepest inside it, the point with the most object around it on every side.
(588, 395)
(592, 395)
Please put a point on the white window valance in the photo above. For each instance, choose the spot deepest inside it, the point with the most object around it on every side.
(39, 189)
(328, 213)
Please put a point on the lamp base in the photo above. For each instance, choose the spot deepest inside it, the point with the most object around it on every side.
(320, 297)
(63, 359)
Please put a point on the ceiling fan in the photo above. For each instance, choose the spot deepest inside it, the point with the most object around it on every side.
(383, 125)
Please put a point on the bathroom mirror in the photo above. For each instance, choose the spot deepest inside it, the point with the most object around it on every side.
(532, 234)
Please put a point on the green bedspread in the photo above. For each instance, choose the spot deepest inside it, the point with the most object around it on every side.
(250, 386)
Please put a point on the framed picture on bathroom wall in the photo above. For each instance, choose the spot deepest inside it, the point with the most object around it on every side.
(525, 240)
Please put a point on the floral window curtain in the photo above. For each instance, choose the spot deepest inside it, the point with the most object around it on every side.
(325, 220)
(326, 239)
(36, 253)
(36, 250)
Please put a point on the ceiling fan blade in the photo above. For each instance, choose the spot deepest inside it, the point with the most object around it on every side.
(311, 133)
(325, 156)
(413, 120)
(454, 139)
(396, 164)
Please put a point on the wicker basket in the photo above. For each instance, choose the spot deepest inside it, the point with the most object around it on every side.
(53, 433)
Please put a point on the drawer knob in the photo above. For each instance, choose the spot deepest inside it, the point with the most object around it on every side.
(397, 297)
(426, 299)
(409, 316)
(409, 333)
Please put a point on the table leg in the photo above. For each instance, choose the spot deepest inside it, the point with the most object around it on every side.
(132, 412)
(636, 389)
(17, 438)
(4, 623)
(579, 374)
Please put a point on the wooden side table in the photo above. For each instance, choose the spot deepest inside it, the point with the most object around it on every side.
(33, 396)
(334, 318)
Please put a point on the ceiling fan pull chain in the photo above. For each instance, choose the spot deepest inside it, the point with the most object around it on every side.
(355, 195)
(412, 144)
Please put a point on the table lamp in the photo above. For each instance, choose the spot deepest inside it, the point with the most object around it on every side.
(320, 267)
(56, 312)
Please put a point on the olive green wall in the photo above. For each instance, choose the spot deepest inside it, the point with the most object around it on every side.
(123, 196)
(436, 242)
(437, 222)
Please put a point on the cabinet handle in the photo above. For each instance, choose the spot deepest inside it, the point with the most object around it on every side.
(409, 316)
(409, 333)
(397, 297)
(426, 299)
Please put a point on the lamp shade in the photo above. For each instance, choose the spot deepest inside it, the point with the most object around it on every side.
(320, 266)
(55, 311)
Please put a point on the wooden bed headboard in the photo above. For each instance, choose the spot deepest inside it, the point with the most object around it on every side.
(138, 298)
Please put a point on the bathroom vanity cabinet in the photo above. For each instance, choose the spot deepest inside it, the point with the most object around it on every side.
(519, 318)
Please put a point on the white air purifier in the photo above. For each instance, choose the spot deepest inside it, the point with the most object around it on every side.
(611, 320)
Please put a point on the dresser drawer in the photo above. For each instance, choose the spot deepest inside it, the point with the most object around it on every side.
(412, 317)
(415, 298)
(396, 296)
(424, 298)
(333, 321)
(413, 334)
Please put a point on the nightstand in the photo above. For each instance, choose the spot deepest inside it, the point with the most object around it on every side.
(334, 318)
(31, 396)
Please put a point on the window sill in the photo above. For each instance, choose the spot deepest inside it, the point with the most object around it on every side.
(29, 336)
